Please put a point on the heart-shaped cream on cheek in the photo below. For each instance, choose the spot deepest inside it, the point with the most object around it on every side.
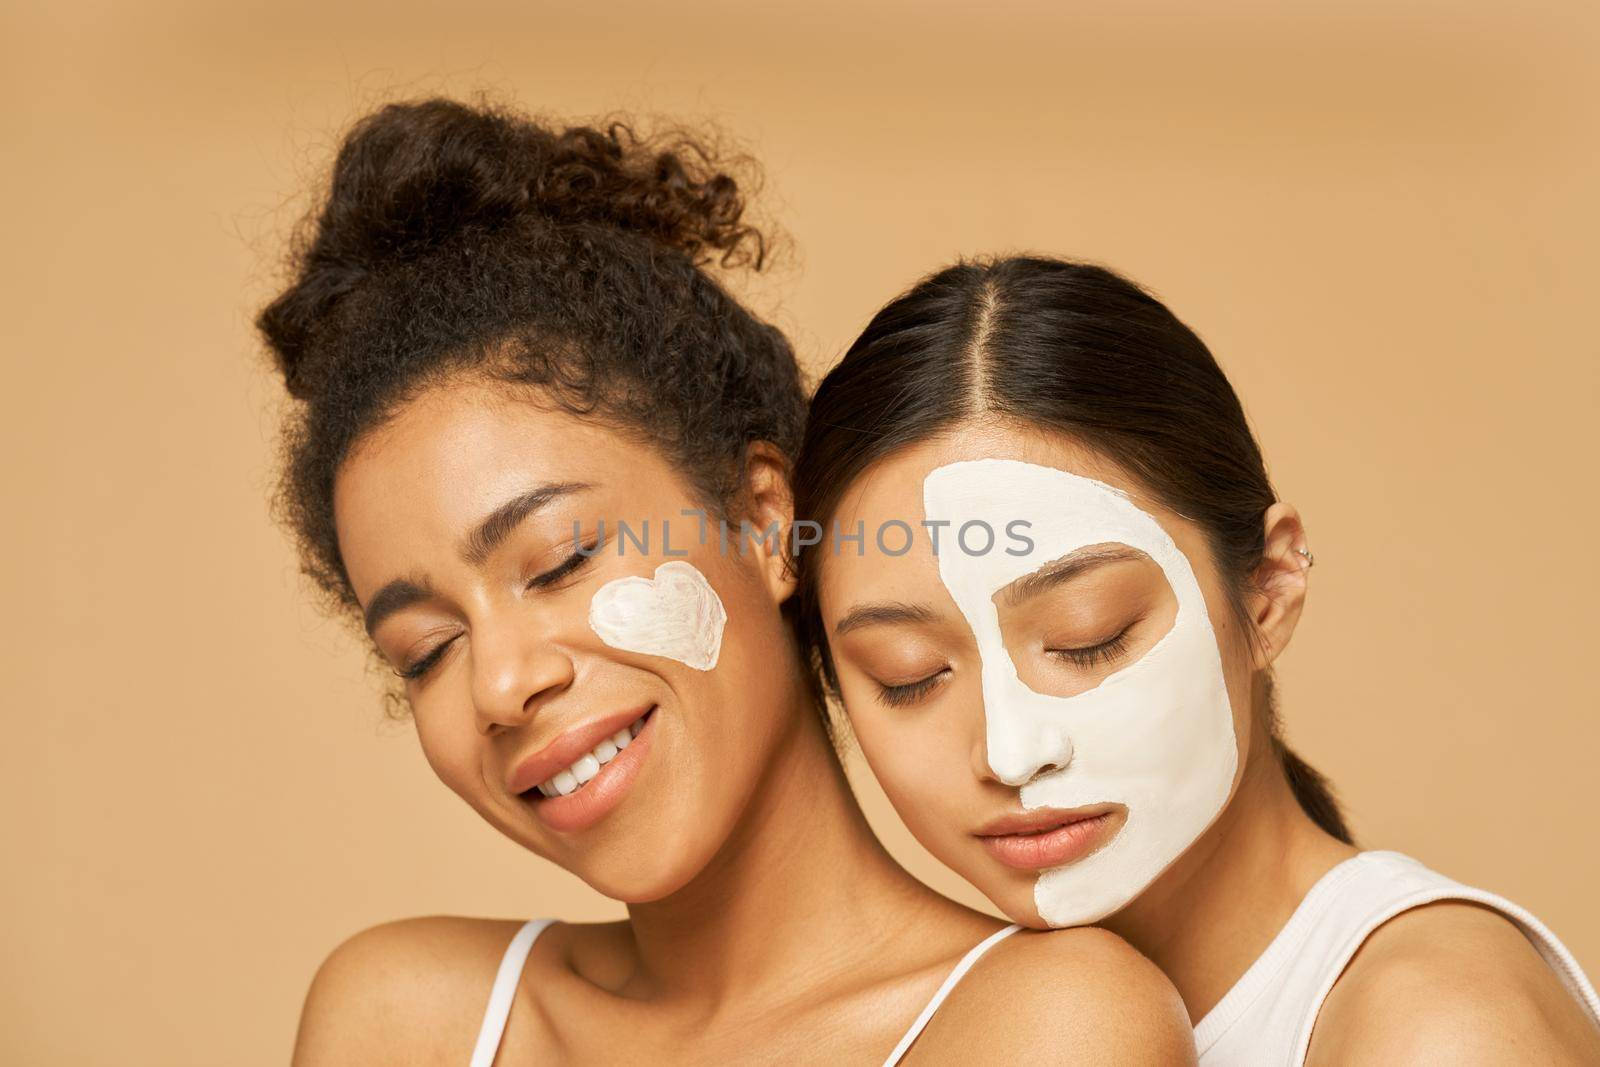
(676, 614)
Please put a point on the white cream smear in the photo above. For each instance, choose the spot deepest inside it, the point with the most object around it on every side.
(676, 614)
(1156, 736)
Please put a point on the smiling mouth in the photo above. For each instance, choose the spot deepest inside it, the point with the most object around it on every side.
(586, 767)
(575, 798)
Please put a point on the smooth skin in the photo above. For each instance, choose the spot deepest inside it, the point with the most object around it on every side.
(766, 923)
(1446, 983)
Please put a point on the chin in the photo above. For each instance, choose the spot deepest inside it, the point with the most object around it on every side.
(635, 879)
(1012, 896)
(1020, 908)
(627, 888)
(1030, 919)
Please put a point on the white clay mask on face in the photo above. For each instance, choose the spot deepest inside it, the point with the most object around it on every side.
(1156, 736)
(676, 614)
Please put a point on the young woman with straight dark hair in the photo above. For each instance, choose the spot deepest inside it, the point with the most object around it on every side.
(504, 339)
(1050, 581)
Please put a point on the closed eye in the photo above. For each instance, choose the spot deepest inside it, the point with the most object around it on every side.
(899, 696)
(1085, 656)
(566, 567)
(427, 662)
(548, 579)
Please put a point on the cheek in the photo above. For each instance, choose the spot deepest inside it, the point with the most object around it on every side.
(1238, 671)
(879, 739)
(753, 672)
(919, 766)
(449, 744)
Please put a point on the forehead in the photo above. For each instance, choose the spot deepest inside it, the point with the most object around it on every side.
(412, 487)
(893, 489)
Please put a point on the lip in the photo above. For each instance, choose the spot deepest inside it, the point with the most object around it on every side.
(1051, 837)
(561, 753)
(593, 800)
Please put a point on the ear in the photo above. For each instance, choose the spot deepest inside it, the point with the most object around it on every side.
(1280, 583)
(768, 505)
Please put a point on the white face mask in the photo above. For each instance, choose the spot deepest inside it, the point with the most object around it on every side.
(1156, 737)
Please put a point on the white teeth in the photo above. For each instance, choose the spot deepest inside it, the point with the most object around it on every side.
(588, 765)
(586, 768)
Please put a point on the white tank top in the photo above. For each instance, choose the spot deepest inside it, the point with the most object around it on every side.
(516, 955)
(1265, 1020)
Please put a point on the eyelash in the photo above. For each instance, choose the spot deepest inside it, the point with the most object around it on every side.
(425, 664)
(564, 569)
(1094, 655)
(898, 696)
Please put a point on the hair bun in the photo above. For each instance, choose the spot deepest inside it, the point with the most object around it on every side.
(412, 177)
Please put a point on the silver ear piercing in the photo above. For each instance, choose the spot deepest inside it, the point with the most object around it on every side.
(1311, 561)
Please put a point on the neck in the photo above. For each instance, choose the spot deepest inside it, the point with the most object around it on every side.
(1207, 918)
(802, 887)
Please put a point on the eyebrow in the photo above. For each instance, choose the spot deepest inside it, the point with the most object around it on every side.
(488, 534)
(881, 614)
(1065, 569)
(397, 595)
(475, 548)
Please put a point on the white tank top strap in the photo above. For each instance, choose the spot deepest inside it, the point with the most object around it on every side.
(505, 991)
(1268, 1015)
(956, 974)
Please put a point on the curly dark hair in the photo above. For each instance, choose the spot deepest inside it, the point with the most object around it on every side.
(471, 239)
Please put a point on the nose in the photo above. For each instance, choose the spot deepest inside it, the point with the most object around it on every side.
(515, 668)
(1021, 745)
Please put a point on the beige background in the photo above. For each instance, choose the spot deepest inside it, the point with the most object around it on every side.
(1381, 216)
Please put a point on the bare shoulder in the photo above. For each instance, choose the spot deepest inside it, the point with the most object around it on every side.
(1077, 996)
(411, 991)
(1452, 982)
